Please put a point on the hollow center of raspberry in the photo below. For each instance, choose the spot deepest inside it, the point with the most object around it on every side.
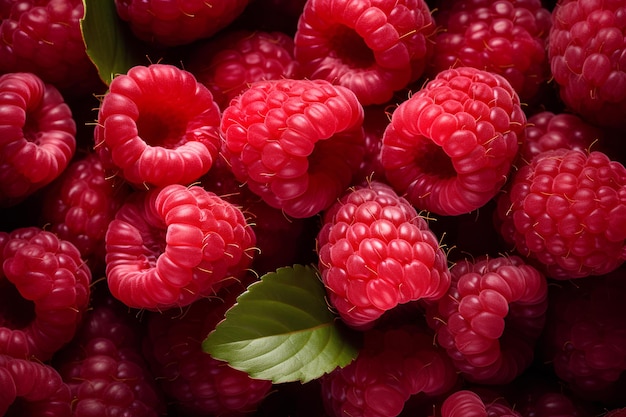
(32, 132)
(15, 311)
(432, 160)
(161, 128)
(351, 48)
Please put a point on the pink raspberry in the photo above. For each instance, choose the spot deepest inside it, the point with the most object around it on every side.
(374, 48)
(295, 143)
(376, 253)
(45, 288)
(170, 246)
(465, 403)
(566, 211)
(450, 146)
(586, 52)
(506, 37)
(32, 388)
(43, 37)
(491, 318)
(37, 139)
(229, 63)
(157, 125)
(167, 23)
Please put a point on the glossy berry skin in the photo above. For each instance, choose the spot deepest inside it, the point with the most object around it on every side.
(49, 275)
(374, 48)
(586, 53)
(170, 246)
(37, 136)
(491, 318)
(566, 211)
(295, 143)
(449, 147)
(465, 403)
(32, 388)
(171, 23)
(157, 125)
(375, 253)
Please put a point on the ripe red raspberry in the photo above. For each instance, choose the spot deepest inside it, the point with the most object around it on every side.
(32, 388)
(374, 48)
(229, 63)
(43, 37)
(295, 143)
(450, 146)
(375, 253)
(79, 206)
(37, 135)
(465, 403)
(491, 318)
(196, 383)
(172, 22)
(506, 37)
(585, 49)
(45, 288)
(566, 210)
(170, 246)
(157, 125)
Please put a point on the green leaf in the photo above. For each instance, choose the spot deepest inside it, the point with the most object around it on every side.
(110, 44)
(282, 330)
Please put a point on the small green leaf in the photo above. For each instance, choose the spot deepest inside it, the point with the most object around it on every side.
(282, 330)
(110, 44)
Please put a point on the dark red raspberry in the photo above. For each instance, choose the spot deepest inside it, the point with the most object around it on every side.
(170, 246)
(450, 146)
(506, 37)
(374, 48)
(295, 143)
(45, 288)
(157, 125)
(374, 125)
(43, 37)
(196, 383)
(79, 206)
(618, 412)
(376, 252)
(229, 63)
(32, 388)
(566, 210)
(168, 23)
(491, 318)
(465, 403)
(37, 135)
(586, 52)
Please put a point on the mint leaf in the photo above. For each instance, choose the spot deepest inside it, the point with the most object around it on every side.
(282, 330)
(110, 44)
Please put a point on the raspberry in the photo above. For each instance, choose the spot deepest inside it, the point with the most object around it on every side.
(566, 211)
(491, 318)
(170, 246)
(229, 63)
(375, 253)
(465, 403)
(196, 383)
(585, 50)
(374, 125)
(506, 37)
(37, 136)
(45, 291)
(43, 37)
(79, 206)
(32, 388)
(450, 146)
(295, 143)
(157, 125)
(374, 48)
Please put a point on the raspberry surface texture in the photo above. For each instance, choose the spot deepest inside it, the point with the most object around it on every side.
(45, 290)
(37, 135)
(586, 52)
(295, 143)
(157, 125)
(449, 147)
(566, 211)
(375, 253)
(491, 318)
(375, 48)
(465, 403)
(170, 246)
